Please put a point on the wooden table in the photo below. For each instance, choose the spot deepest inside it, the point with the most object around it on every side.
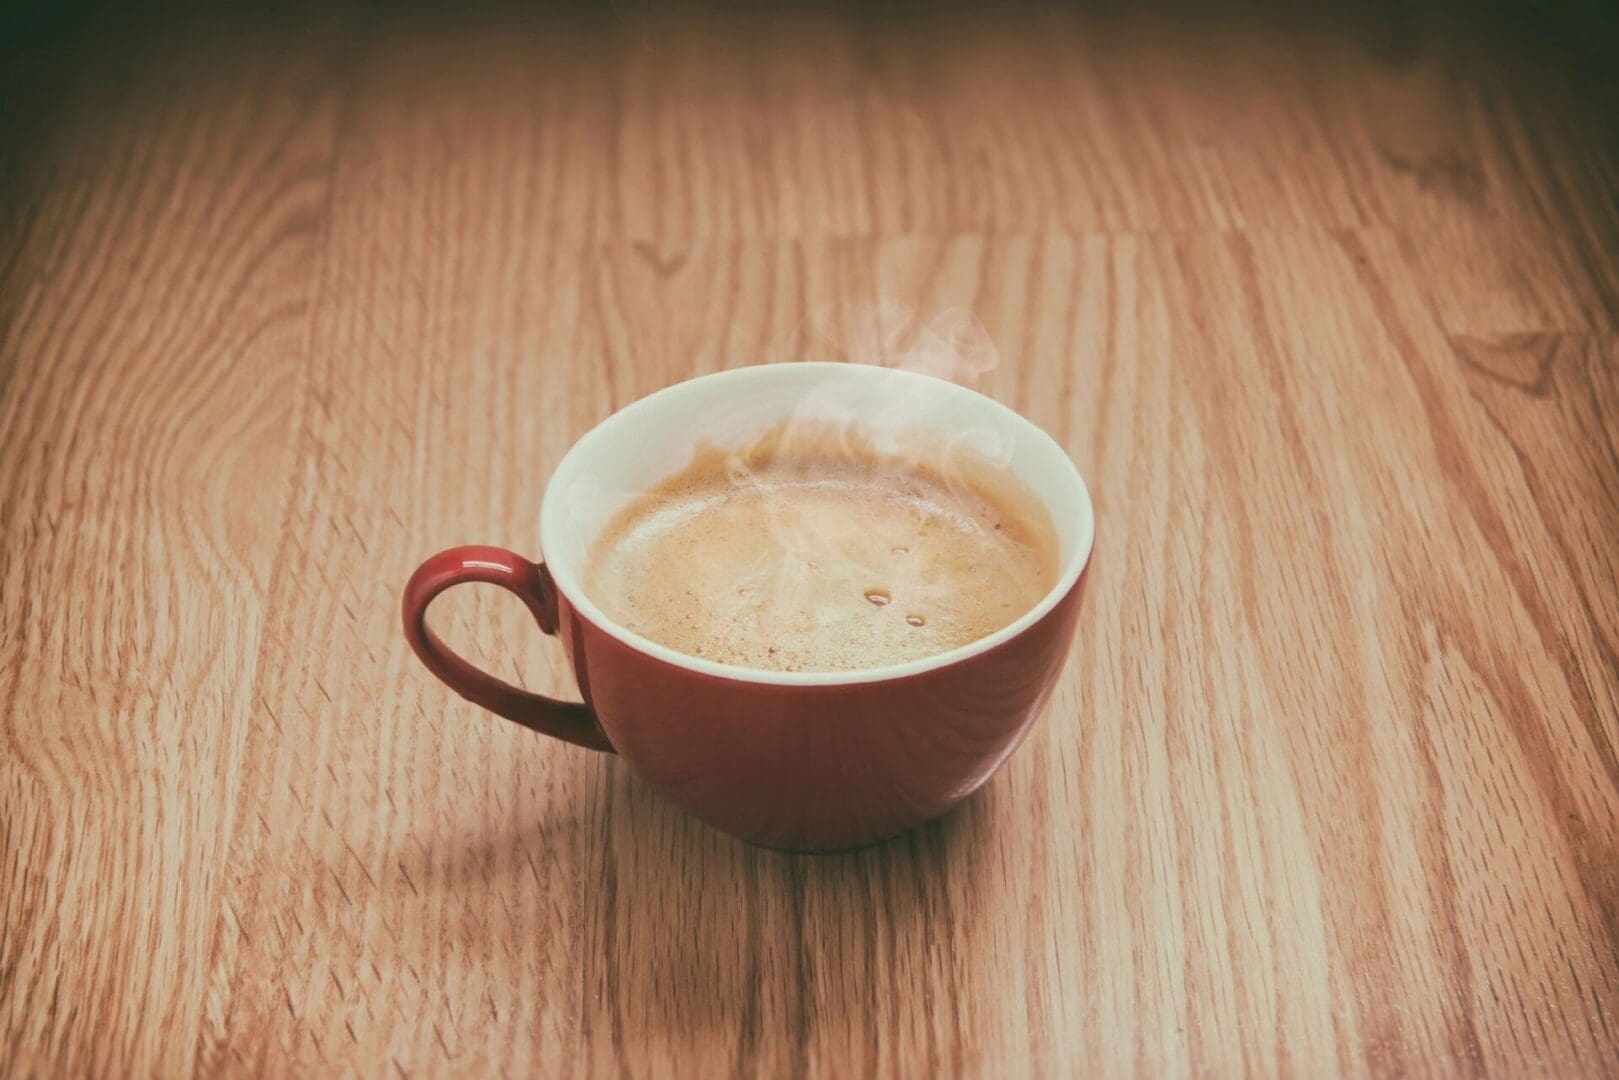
(1329, 320)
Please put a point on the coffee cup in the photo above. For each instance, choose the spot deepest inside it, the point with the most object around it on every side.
(803, 760)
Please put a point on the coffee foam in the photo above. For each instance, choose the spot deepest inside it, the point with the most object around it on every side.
(825, 547)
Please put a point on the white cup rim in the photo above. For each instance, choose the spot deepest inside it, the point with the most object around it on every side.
(622, 423)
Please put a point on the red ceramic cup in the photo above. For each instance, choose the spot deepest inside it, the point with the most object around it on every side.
(798, 760)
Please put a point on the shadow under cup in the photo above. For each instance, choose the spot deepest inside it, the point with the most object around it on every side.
(802, 760)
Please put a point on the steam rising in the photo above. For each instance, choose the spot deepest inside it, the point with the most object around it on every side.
(952, 345)
(883, 442)
(856, 511)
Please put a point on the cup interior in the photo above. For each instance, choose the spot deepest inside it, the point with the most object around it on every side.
(644, 442)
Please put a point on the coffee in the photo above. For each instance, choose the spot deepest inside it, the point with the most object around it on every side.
(811, 549)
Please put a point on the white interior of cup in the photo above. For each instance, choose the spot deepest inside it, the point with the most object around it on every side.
(644, 442)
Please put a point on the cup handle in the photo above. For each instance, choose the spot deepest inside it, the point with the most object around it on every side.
(570, 721)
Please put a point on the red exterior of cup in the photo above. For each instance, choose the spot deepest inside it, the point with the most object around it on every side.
(807, 767)
(821, 766)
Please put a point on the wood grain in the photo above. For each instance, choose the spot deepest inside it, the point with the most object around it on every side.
(1331, 783)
